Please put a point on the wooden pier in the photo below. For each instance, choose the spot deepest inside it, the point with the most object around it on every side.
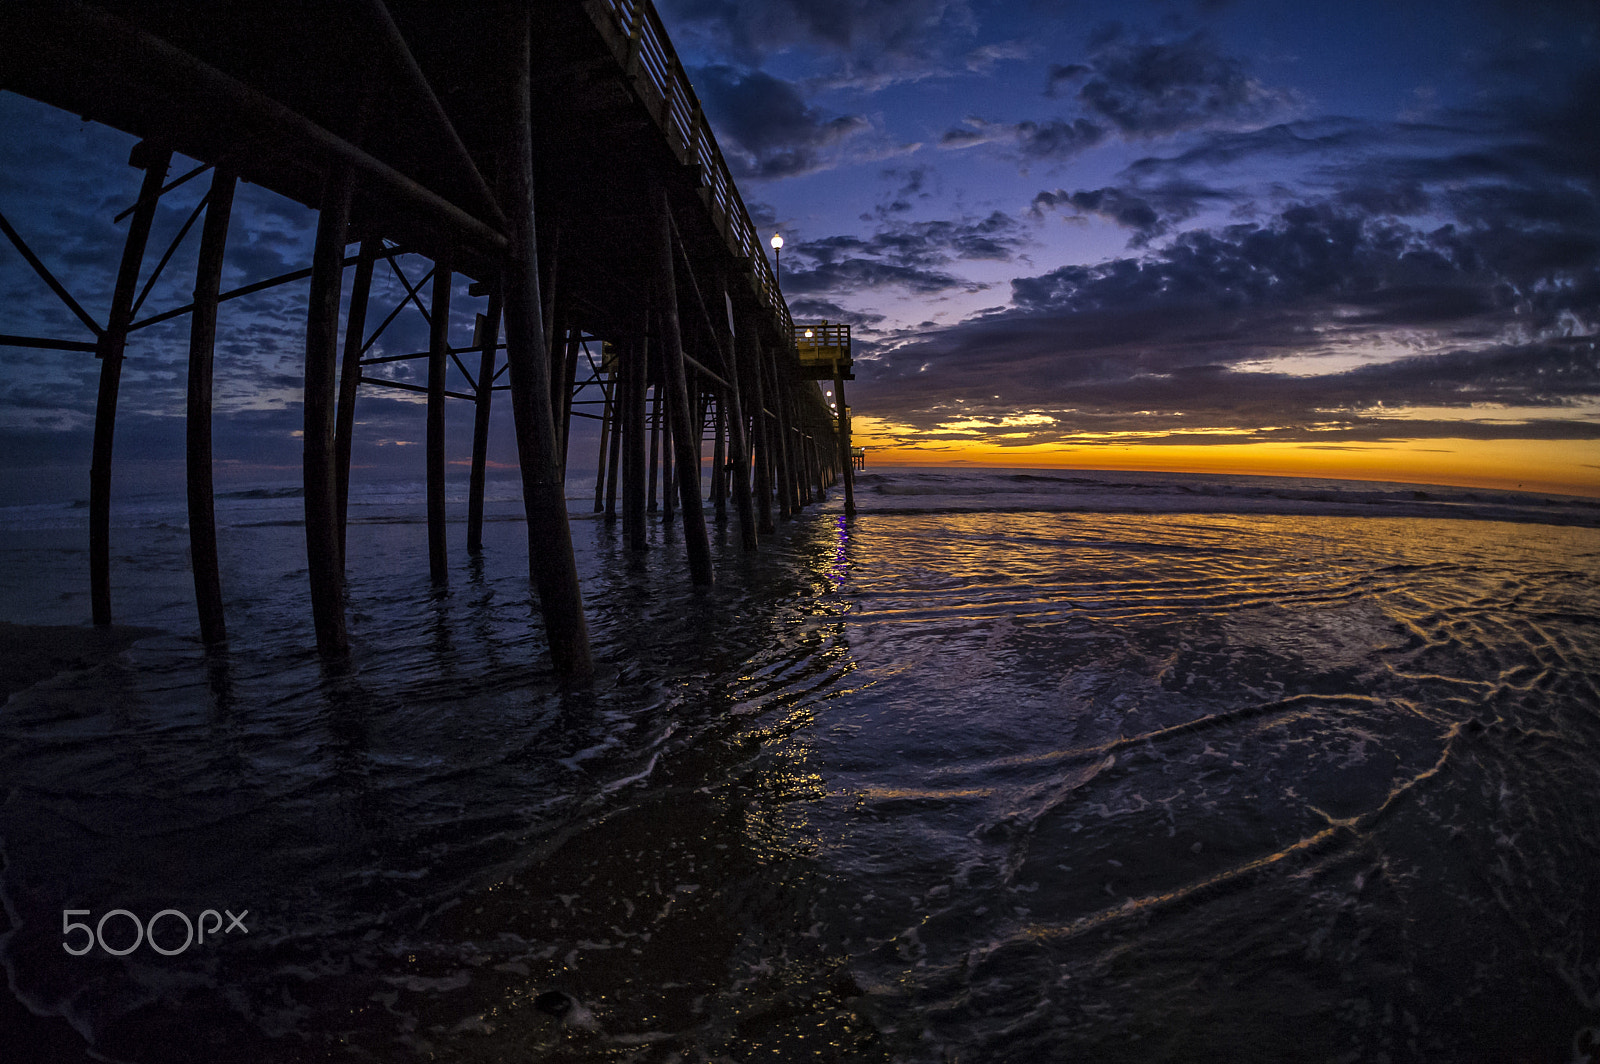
(554, 154)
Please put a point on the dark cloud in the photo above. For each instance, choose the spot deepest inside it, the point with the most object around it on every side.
(1127, 209)
(911, 187)
(910, 255)
(1308, 255)
(1509, 161)
(854, 275)
(1152, 88)
(1568, 133)
(1148, 212)
(1398, 200)
(1321, 137)
(913, 180)
(808, 309)
(1209, 403)
(765, 128)
(1138, 88)
(1062, 74)
(976, 131)
(868, 44)
(1057, 139)
(1188, 338)
(1053, 140)
(762, 214)
(983, 59)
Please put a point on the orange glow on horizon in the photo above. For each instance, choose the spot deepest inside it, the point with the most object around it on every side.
(1566, 467)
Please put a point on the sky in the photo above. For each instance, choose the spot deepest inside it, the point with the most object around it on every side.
(1355, 240)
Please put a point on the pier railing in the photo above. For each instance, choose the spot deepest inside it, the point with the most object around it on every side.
(635, 34)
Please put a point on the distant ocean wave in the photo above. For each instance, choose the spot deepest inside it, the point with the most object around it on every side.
(912, 490)
(264, 493)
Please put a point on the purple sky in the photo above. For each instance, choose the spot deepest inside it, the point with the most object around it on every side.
(1275, 221)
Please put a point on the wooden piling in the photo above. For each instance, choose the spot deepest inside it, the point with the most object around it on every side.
(110, 347)
(550, 559)
(633, 442)
(202, 351)
(739, 472)
(323, 557)
(748, 348)
(846, 470)
(438, 354)
(819, 469)
(669, 486)
(805, 467)
(607, 415)
(685, 435)
(614, 459)
(350, 381)
(488, 338)
(570, 379)
(785, 450)
(556, 340)
(730, 412)
(719, 461)
(655, 444)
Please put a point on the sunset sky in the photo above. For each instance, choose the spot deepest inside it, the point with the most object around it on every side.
(1357, 240)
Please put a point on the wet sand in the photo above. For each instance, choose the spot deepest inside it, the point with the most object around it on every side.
(29, 654)
(33, 652)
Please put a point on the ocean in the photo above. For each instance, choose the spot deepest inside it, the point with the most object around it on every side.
(1010, 766)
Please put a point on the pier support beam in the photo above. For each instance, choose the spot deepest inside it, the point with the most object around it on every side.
(569, 386)
(633, 427)
(550, 559)
(197, 421)
(805, 466)
(614, 458)
(350, 379)
(783, 450)
(438, 353)
(736, 479)
(669, 487)
(685, 433)
(846, 469)
(112, 343)
(488, 338)
(748, 351)
(324, 559)
(819, 466)
(656, 421)
(719, 459)
(608, 414)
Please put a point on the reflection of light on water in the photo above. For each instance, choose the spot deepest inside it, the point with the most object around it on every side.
(841, 565)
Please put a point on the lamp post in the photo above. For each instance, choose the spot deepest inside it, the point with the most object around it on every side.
(777, 255)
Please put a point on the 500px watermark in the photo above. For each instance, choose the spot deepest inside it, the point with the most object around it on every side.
(145, 932)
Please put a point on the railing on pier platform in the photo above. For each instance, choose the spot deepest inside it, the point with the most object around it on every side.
(823, 351)
(636, 36)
